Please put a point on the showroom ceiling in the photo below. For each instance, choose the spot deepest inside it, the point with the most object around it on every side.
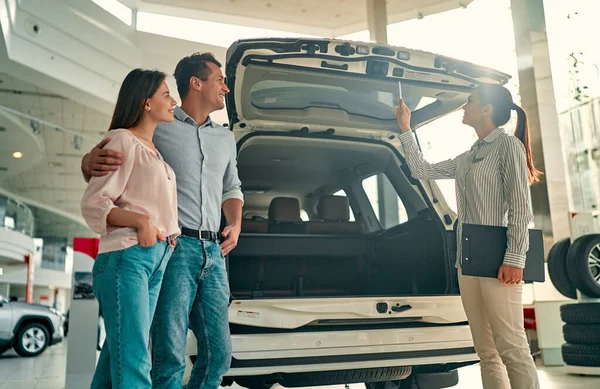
(340, 16)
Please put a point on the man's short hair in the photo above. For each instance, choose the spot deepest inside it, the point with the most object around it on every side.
(196, 65)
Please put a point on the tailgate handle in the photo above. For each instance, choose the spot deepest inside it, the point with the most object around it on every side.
(325, 64)
(401, 308)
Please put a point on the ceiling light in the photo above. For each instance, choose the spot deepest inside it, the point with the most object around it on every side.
(17, 154)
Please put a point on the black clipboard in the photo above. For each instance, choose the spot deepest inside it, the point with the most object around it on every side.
(483, 249)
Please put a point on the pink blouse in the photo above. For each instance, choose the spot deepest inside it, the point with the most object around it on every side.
(144, 183)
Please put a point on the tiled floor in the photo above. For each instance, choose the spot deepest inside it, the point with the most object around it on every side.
(48, 372)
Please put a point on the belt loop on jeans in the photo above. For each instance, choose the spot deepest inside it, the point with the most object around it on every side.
(200, 235)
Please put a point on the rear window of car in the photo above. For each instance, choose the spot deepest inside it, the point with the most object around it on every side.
(389, 213)
(372, 100)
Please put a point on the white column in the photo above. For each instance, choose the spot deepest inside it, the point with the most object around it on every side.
(549, 197)
(377, 20)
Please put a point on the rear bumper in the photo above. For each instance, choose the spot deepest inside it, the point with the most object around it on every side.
(263, 354)
(352, 362)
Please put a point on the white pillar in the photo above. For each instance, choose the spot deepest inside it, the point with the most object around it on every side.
(377, 20)
(83, 329)
(549, 197)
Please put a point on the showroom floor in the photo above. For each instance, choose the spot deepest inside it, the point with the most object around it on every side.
(48, 372)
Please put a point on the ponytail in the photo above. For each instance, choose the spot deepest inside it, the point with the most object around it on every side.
(522, 132)
(501, 100)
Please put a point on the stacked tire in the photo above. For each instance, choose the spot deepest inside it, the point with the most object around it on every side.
(574, 267)
(582, 334)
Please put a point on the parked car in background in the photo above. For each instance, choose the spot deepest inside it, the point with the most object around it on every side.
(28, 328)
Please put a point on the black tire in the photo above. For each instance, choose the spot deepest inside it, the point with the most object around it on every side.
(584, 276)
(557, 268)
(408, 383)
(21, 344)
(582, 313)
(326, 377)
(436, 380)
(254, 382)
(581, 355)
(582, 333)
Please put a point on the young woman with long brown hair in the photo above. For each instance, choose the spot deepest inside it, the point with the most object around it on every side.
(134, 209)
(492, 181)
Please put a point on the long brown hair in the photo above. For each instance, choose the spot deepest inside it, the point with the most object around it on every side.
(501, 100)
(139, 85)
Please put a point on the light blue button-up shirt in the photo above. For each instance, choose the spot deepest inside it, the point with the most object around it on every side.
(204, 160)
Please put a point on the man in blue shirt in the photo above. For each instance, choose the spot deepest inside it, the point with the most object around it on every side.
(195, 289)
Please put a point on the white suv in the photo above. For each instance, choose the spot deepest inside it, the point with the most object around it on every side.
(344, 271)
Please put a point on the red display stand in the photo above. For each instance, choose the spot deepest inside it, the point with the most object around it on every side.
(87, 246)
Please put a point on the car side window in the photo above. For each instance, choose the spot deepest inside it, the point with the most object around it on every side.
(438, 144)
(387, 205)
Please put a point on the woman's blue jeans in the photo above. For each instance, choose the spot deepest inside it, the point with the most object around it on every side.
(127, 284)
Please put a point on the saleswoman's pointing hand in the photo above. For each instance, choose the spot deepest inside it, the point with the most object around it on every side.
(402, 113)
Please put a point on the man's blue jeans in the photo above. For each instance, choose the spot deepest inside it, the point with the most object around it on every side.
(127, 284)
(195, 286)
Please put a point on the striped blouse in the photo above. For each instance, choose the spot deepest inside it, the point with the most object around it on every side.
(491, 187)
